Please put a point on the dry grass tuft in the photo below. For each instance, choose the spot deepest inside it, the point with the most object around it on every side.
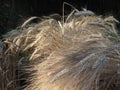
(82, 53)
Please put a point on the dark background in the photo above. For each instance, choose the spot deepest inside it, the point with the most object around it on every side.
(14, 12)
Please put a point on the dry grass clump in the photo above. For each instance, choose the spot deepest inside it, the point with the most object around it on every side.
(82, 53)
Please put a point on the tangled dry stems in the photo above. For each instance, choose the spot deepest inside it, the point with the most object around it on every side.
(82, 53)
